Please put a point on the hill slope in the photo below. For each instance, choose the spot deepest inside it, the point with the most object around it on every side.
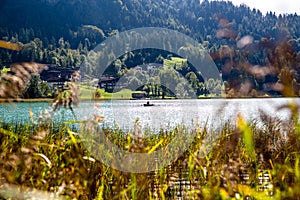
(63, 32)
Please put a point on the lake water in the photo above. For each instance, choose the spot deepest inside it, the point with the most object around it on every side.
(164, 113)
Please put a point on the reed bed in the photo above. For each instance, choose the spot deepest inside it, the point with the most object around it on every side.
(246, 161)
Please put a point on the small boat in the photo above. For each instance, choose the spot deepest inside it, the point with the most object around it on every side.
(148, 104)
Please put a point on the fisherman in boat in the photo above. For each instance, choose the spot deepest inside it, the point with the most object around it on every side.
(148, 104)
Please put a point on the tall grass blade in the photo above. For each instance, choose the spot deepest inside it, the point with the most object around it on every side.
(247, 135)
(100, 191)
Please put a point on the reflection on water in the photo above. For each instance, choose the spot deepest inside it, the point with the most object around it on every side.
(164, 113)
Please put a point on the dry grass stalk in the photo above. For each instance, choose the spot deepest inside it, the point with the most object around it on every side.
(69, 95)
(13, 84)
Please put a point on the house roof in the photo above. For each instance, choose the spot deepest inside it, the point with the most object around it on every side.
(57, 74)
(107, 79)
(57, 79)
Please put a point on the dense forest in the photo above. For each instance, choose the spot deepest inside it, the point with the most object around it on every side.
(256, 54)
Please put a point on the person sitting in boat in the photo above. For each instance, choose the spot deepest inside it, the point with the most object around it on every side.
(148, 104)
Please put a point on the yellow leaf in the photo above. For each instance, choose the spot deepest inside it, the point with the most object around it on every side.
(224, 194)
(71, 134)
(10, 45)
(155, 146)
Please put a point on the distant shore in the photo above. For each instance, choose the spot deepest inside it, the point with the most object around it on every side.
(111, 98)
(25, 100)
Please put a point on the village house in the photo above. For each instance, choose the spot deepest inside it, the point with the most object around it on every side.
(107, 82)
(56, 76)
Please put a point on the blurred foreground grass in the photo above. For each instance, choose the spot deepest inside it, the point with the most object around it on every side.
(247, 161)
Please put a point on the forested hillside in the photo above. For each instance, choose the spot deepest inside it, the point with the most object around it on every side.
(254, 52)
